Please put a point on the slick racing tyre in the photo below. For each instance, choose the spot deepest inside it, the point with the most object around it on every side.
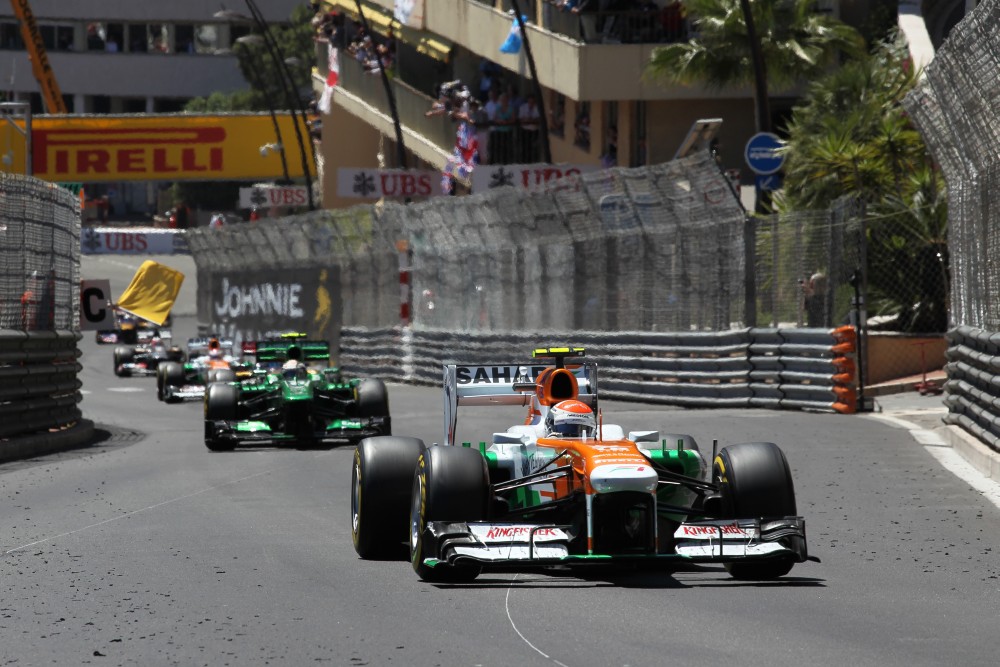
(168, 374)
(373, 401)
(221, 404)
(450, 484)
(123, 355)
(380, 494)
(755, 481)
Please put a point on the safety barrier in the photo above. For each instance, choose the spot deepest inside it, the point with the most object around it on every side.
(973, 386)
(39, 388)
(811, 369)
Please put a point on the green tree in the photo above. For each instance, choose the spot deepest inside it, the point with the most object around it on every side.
(265, 92)
(851, 136)
(295, 42)
(797, 43)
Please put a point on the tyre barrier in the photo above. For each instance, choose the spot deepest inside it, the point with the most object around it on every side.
(802, 369)
(972, 392)
(40, 393)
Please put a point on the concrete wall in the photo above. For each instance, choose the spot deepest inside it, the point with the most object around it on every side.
(148, 10)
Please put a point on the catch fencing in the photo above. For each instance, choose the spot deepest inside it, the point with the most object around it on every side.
(39, 316)
(666, 248)
(956, 111)
(660, 248)
(39, 255)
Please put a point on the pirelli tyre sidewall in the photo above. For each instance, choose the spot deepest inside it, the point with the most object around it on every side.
(755, 481)
(450, 484)
(380, 495)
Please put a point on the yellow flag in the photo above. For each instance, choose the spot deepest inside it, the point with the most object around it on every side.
(152, 292)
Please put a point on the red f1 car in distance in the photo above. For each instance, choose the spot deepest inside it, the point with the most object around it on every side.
(562, 488)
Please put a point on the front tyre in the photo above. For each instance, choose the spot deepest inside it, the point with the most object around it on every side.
(380, 496)
(755, 481)
(450, 484)
(221, 404)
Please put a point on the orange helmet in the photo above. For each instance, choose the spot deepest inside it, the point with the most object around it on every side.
(571, 419)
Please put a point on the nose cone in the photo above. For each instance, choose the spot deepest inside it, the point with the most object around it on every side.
(623, 477)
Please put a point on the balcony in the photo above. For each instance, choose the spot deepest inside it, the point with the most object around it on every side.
(432, 138)
(363, 95)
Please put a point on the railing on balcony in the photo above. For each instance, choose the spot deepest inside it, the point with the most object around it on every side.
(509, 145)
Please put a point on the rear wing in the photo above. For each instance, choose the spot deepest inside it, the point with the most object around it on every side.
(198, 347)
(275, 351)
(509, 384)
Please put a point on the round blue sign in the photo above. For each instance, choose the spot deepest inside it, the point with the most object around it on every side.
(762, 154)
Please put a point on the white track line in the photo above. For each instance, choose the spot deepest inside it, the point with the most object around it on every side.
(520, 634)
(144, 509)
(949, 459)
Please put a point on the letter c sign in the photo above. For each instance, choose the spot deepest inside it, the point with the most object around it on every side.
(94, 311)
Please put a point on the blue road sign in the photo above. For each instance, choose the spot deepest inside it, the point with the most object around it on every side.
(769, 182)
(762, 155)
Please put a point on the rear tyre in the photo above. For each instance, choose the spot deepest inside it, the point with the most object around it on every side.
(450, 484)
(221, 375)
(755, 481)
(221, 404)
(373, 401)
(123, 355)
(380, 497)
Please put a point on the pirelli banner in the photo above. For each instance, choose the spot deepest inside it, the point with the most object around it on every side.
(250, 305)
(159, 147)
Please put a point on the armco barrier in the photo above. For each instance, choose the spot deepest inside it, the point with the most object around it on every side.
(39, 388)
(769, 368)
(973, 386)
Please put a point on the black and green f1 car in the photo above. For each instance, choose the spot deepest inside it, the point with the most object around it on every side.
(294, 397)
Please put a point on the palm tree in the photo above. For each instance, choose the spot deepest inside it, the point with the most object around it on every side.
(851, 134)
(796, 43)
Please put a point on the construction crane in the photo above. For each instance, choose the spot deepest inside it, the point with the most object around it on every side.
(40, 66)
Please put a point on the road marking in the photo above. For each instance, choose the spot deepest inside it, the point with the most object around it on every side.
(949, 459)
(126, 390)
(519, 634)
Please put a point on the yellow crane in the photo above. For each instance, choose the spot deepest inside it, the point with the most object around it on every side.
(40, 66)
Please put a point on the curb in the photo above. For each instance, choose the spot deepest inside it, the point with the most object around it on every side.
(979, 456)
(79, 435)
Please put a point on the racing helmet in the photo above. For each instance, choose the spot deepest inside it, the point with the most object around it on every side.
(214, 348)
(570, 419)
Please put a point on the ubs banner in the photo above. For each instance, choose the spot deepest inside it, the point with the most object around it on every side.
(157, 147)
(251, 305)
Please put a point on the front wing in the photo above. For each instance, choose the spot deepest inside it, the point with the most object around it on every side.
(510, 545)
(247, 432)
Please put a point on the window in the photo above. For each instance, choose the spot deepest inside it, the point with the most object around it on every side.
(638, 153)
(10, 36)
(138, 41)
(206, 38)
(609, 149)
(582, 125)
(184, 38)
(158, 38)
(557, 114)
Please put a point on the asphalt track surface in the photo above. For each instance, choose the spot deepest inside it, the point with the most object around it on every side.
(147, 549)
